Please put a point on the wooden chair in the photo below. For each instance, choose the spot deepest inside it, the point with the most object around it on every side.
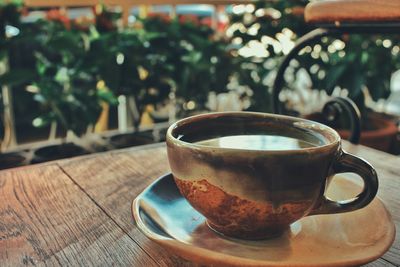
(353, 11)
(334, 18)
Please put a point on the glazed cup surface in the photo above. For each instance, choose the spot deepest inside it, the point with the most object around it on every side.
(254, 194)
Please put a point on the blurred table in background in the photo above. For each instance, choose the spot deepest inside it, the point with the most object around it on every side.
(127, 5)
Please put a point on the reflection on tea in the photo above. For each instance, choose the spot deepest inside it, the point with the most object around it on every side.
(257, 142)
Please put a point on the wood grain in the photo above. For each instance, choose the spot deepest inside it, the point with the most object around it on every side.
(78, 211)
(379, 263)
(114, 179)
(329, 11)
(388, 169)
(47, 220)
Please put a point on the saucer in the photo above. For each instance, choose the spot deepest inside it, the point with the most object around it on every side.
(352, 238)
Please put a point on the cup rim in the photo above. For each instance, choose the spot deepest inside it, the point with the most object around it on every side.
(317, 127)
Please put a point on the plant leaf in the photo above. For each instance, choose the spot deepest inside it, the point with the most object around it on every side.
(17, 76)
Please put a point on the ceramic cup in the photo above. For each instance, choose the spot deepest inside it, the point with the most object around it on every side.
(257, 194)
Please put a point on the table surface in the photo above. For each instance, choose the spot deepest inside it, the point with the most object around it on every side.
(77, 212)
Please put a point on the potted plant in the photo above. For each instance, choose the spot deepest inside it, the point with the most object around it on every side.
(126, 67)
(331, 65)
(9, 17)
(64, 85)
(194, 57)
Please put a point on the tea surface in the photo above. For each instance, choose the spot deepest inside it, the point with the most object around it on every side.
(257, 142)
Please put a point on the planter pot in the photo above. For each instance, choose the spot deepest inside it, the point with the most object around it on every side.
(381, 134)
(131, 139)
(55, 152)
(381, 138)
(11, 160)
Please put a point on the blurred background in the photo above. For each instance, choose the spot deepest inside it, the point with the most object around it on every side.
(85, 76)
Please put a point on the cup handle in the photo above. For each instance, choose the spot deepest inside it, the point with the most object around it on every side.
(350, 163)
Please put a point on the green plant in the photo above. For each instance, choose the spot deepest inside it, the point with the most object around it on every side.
(74, 66)
(105, 19)
(121, 60)
(193, 58)
(160, 55)
(9, 17)
(61, 81)
(261, 34)
(272, 27)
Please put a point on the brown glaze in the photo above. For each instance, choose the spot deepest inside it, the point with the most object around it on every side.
(255, 194)
(333, 240)
(237, 217)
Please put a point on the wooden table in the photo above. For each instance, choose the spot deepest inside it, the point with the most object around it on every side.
(76, 212)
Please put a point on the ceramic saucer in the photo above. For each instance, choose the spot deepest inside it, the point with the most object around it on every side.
(353, 238)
